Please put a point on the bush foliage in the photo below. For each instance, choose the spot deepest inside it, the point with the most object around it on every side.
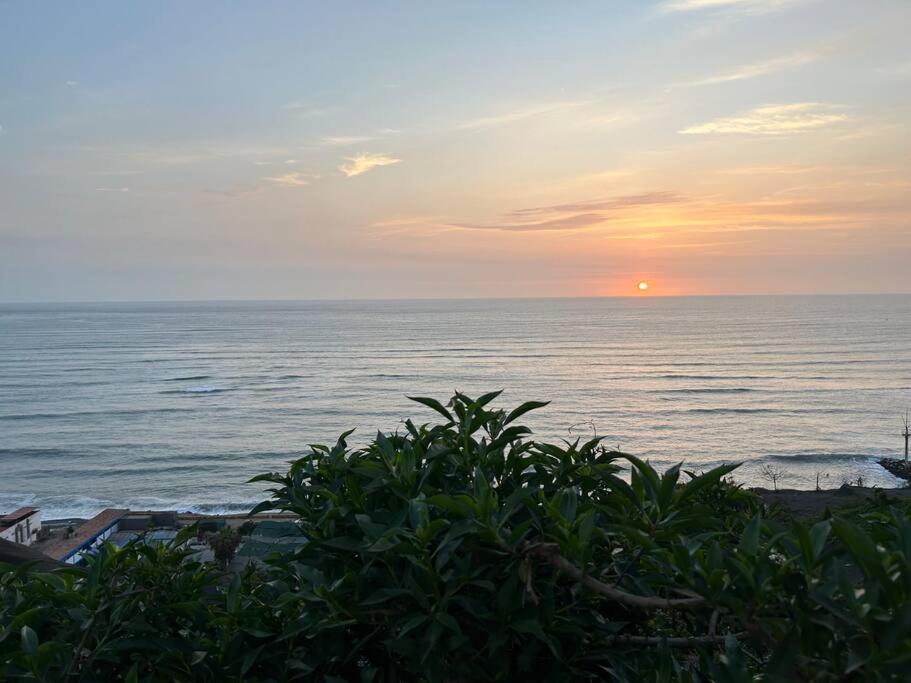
(464, 551)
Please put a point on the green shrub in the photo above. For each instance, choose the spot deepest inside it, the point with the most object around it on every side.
(463, 551)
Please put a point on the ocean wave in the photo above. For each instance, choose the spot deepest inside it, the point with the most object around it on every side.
(188, 378)
(811, 457)
(738, 411)
(91, 413)
(84, 507)
(707, 377)
(34, 452)
(710, 390)
(196, 390)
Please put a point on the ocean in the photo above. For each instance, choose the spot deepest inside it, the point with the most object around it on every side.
(177, 405)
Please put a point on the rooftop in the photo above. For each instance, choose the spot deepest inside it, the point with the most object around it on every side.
(61, 548)
(16, 516)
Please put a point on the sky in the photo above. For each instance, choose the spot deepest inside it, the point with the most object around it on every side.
(312, 150)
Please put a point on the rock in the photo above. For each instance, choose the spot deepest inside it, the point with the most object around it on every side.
(898, 468)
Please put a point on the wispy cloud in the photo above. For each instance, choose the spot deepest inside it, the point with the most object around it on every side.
(306, 108)
(365, 162)
(749, 6)
(609, 204)
(344, 140)
(756, 70)
(573, 215)
(409, 226)
(783, 169)
(775, 119)
(576, 222)
(291, 179)
(72, 84)
(112, 189)
(401, 221)
(521, 114)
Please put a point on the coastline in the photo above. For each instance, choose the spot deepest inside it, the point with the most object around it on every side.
(801, 503)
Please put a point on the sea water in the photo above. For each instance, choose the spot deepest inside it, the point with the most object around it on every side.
(177, 405)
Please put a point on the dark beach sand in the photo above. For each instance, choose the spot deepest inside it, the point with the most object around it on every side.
(804, 504)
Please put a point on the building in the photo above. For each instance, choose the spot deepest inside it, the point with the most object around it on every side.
(71, 542)
(71, 548)
(21, 526)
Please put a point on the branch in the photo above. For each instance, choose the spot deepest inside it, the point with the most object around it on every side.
(550, 552)
(678, 641)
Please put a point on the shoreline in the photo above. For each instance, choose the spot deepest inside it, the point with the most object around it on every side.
(802, 503)
(798, 502)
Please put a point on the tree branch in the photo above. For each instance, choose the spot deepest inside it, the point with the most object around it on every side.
(676, 641)
(550, 552)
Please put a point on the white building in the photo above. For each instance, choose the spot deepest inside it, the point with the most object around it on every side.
(21, 526)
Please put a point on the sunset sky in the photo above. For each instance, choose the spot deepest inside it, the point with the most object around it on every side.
(200, 150)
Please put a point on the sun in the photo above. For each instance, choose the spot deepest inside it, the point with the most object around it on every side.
(642, 286)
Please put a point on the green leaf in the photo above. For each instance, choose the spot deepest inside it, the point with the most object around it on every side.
(384, 594)
(524, 408)
(29, 640)
(702, 481)
(818, 535)
(749, 543)
(249, 659)
(447, 621)
(432, 403)
(859, 545)
(412, 623)
(232, 597)
(487, 398)
(668, 483)
(569, 503)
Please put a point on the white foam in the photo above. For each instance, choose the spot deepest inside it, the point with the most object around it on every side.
(85, 507)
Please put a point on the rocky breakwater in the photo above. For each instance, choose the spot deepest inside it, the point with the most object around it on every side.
(898, 468)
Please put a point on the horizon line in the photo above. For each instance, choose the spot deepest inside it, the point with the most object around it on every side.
(47, 302)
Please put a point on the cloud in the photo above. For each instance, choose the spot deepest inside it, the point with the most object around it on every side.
(304, 108)
(291, 179)
(521, 114)
(783, 169)
(610, 204)
(72, 84)
(365, 162)
(753, 70)
(409, 226)
(748, 6)
(344, 140)
(401, 221)
(574, 222)
(574, 215)
(775, 119)
(112, 189)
